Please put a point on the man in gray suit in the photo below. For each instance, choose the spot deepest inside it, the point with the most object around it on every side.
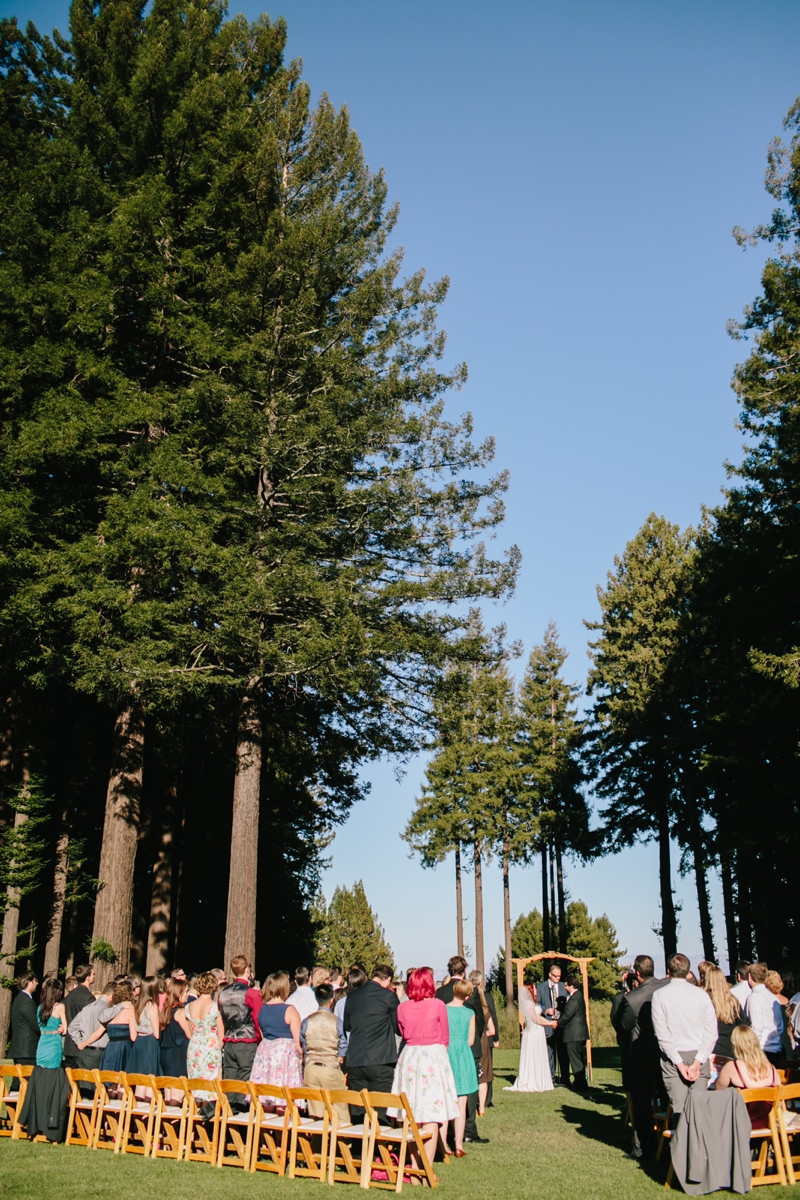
(548, 994)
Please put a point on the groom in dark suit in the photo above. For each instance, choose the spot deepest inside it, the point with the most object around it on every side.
(575, 1030)
(551, 996)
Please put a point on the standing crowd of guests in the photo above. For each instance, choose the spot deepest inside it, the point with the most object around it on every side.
(321, 1029)
(686, 1030)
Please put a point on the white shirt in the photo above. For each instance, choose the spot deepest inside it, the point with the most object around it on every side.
(766, 1017)
(684, 1021)
(741, 991)
(304, 1000)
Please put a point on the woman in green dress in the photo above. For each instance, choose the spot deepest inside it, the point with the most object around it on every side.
(45, 1109)
(462, 1060)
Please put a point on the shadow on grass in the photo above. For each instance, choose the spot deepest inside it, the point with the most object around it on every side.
(596, 1125)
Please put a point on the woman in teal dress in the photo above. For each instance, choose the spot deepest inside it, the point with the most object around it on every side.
(462, 1060)
(45, 1109)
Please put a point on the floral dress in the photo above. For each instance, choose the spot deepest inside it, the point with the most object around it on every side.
(204, 1052)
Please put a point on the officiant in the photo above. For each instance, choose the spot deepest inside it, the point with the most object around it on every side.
(574, 1028)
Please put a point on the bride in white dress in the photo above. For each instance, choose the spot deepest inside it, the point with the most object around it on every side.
(534, 1061)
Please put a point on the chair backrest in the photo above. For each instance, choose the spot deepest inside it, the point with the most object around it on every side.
(230, 1087)
(754, 1095)
(303, 1093)
(789, 1091)
(145, 1081)
(343, 1096)
(76, 1075)
(266, 1090)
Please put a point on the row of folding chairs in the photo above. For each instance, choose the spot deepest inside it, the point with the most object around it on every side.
(256, 1127)
(775, 1148)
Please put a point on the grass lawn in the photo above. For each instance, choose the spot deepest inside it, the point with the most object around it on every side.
(559, 1145)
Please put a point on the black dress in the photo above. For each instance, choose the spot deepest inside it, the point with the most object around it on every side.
(118, 1051)
(724, 1046)
(174, 1044)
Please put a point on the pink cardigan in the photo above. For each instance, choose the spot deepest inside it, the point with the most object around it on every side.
(424, 1022)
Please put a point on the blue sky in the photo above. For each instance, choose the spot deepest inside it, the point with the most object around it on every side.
(576, 169)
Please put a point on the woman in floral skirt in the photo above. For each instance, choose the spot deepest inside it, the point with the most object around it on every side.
(278, 1058)
(423, 1070)
(204, 1052)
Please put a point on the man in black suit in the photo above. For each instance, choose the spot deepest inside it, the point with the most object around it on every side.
(24, 1026)
(551, 996)
(644, 1055)
(370, 1017)
(575, 1029)
(456, 969)
(74, 1001)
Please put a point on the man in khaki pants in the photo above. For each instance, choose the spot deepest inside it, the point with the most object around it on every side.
(324, 1047)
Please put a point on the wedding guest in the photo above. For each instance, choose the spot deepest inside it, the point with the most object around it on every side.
(179, 974)
(204, 1052)
(78, 998)
(644, 1055)
(457, 969)
(87, 1022)
(627, 982)
(336, 980)
(574, 1029)
(370, 1017)
(120, 1029)
(44, 1112)
(175, 1029)
(278, 1057)
(765, 1013)
(24, 1025)
(423, 1069)
(461, 1022)
(318, 976)
(551, 996)
(728, 1013)
(70, 983)
(144, 1058)
(741, 989)
(302, 998)
(324, 1046)
(355, 978)
(239, 1005)
(488, 1042)
(774, 984)
(685, 1024)
(162, 990)
(750, 1068)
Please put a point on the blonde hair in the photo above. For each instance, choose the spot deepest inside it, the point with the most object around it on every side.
(320, 975)
(726, 1006)
(747, 1049)
(774, 983)
(463, 989)
(276, 987)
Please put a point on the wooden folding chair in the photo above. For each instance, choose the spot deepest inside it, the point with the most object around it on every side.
(401, 1143)
(11, 1102)
(662, 1120)
(169, 1122)
(202, 1133)
(111, 1111)
(768, 1138)
(788, 1093)
(235, 1147)
(140, 1117)
(271, 1130)
(627, 1112)
(304, 1158)
(348, 1159)
(82, 1108)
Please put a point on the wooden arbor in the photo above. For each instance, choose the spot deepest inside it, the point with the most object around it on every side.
(521, 964)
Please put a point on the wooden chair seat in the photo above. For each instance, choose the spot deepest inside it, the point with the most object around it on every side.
(12, 1102)
(402, 1141)
(310, 1136)
(202, 1133)
(111, 1111)
(271, 1130)
(82, 1109)
(137, 1131)
(236, 1129)
(169, 1125)
(349, 1159)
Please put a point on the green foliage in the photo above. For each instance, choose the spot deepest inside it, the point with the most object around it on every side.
(348, 931)
(586, 937)
(101, 950)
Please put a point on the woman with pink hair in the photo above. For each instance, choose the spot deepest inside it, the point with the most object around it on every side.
(423, 1070)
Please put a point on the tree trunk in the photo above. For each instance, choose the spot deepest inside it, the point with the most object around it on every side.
(726, 875)
(479, 957)
(113, 913)
(669, 922)
(553, 938)
(545, 903)
(159, 925)
(459, 904)
(746, 948)
(507, 928)
(8, 948)
(562, 906)
(240, 929)
(53, 948)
